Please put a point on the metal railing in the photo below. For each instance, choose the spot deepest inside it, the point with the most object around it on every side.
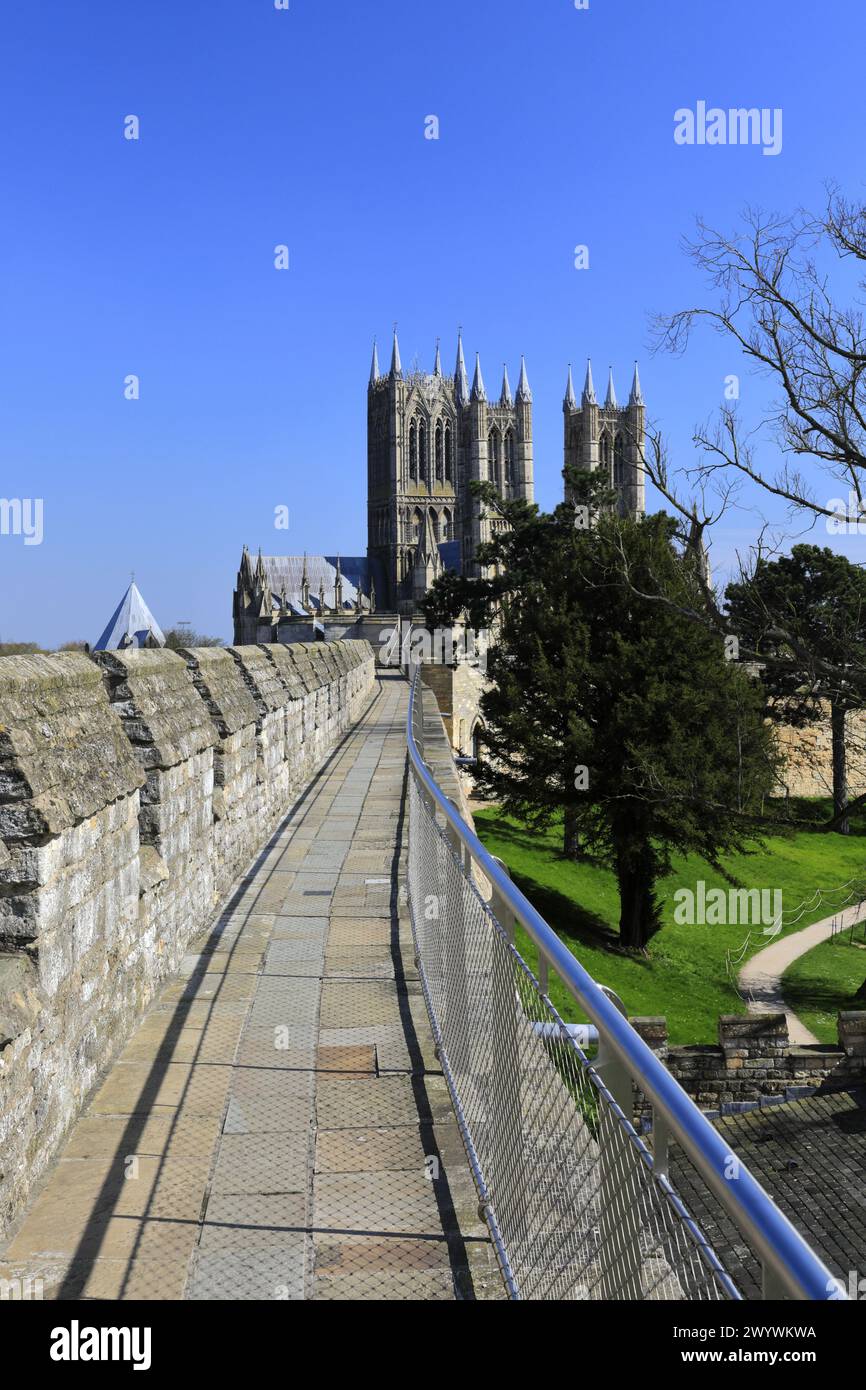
(579, 1204)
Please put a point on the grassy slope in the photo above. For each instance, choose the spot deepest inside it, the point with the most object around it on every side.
(684, 977)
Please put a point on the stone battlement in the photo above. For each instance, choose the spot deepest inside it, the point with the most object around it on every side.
(135, 787)
(755, 1059)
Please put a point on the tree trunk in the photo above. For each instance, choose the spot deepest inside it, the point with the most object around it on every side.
(840, 767)
(638, 913)
(570, 836)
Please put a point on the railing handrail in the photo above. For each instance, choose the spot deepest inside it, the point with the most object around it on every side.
(780, 1247)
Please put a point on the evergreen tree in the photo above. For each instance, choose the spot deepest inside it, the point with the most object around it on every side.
(606, 707)
(805, 613)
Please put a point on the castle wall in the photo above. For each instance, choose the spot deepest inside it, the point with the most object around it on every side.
(809, 756)
(135, 787)
(755, 1060)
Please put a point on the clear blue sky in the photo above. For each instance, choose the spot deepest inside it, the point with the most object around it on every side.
(306, 127)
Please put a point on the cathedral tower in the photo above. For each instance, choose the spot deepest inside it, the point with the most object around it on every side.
(427, 437)
(609, 437)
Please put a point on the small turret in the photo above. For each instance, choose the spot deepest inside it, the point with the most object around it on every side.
(374, 365)
(610, 399)
(589, 396)
(396, 364)
(437, 364)
(461, 384)
(635, 397)
(478, 391)
(524, 395)
(505, 396)
(570, 401)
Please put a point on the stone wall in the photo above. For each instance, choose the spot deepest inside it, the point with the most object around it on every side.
(134, 788)
(808, 754)
(755, 1059)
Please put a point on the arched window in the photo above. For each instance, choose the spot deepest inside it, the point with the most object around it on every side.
(510, 472)
(417, 523)
(438, 452)
(604, 453)
(422, 452)
(494, 463)
(434, 524)
(413, 450)
(619, 474)
(475, 740)
(446, 525)
(449, 462)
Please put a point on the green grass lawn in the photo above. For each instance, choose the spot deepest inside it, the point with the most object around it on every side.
(683, 977)
(825, 980)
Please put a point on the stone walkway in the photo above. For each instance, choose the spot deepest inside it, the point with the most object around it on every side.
(276, 1125)
(760, 979)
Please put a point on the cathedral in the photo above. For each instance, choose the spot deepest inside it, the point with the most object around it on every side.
(429, 436)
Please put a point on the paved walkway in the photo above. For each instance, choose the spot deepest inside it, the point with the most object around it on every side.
(760, 979)
(273, 1128)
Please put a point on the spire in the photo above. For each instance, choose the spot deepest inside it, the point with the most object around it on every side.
(374, 365)
(478, 391)
(570, 398)
(610, 398)
(338, 587)
(635, 397)
(461, 385)
(396, 365)
(506, 397)
(305, 585)
(437, 365)
(523, 392)
(589, 396)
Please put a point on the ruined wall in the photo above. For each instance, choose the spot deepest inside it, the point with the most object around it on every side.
(134, 788)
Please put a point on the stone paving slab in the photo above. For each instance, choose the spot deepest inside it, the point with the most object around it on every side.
(280, 1103)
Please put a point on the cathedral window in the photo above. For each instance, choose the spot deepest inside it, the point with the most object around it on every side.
(438, 452)
(422, 452)
(446, 525)
(449, 462)
(604, 453)
(417, 523)
(493, 459)
(413, 450)
(619, 471)
(510, 473)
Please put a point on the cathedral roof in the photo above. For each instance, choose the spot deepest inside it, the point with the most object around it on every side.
(284, 574)
(131, 625)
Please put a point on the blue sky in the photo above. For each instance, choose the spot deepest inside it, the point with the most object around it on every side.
(306, 127)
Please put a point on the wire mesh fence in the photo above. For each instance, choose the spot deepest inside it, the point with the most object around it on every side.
(574, 1206)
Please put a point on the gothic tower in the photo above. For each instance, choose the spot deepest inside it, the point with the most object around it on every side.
(609, 437)
(427, 437)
